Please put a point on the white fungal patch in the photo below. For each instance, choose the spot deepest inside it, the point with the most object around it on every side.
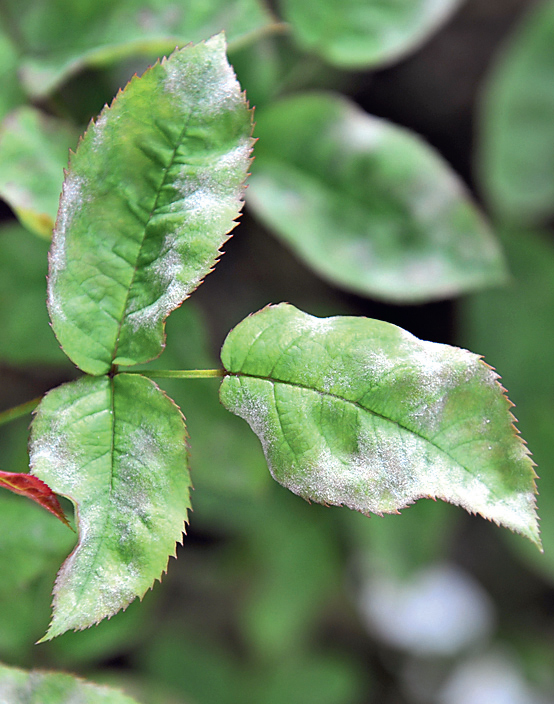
(168, 269)
(70, 204)
(51, 458)
(205, 82)
(252, 401)
(99, 127)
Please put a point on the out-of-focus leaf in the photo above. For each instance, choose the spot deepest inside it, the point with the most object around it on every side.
(366, 204)
(34, 150)
(12, 93)
(57, 38)
(400, 545)
(359, 412)
(195, 665)
(296, 569)
(116, 448)
(32, 545)
(36, 687)
(26, 334)
(151, 195)
(516, 156)
(360, 33)
(34, 489)
(318, 677)
(514, 329)
(31, 542)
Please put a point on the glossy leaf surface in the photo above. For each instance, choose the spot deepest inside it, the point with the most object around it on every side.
(360, 33)
(34, 149)
(37, 687)
(57, 38)
(367, 205)
(517, 122)
(150, 197)
(34, 489)
(359, 412)
(116, 448)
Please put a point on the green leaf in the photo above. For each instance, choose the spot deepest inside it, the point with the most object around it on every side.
(12, 93)
(31, 543)
(37, 687)
(517, 123)
(360, 33)
(366, 204)
(34, 149)
(116, 448)
(359, 412)
(26, 334)
(150, 196)
(61, 37)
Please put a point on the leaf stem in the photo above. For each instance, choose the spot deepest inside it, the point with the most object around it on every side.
(19, 411)
(180, 373)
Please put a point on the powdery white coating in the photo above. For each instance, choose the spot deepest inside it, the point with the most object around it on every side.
(70, 203)
(126, 529)
(206, 83)
(99, 127)
(254, 403)
(211, 200)
(168, 270)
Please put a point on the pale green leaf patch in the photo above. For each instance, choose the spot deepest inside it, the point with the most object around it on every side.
(516, 155)
(59, 38)
(151, 195)
(117, 448)
(34, 149)
(37, 687)
(366, 204)
(361, 33)
(358, 412)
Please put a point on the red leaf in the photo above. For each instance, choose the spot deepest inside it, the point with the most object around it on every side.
(35, 489)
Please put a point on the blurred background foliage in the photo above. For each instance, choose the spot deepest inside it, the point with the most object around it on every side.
(272, 600)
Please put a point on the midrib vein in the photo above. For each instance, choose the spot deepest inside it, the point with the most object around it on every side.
(163, 182)
(367, 410)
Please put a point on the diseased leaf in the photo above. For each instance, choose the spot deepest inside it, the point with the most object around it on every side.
(366, 204)
(34, 489)
(116, 448)
(58, 38)
(37, 687)
(151, 194)
(34, 149)
(359, 412)
(360, 33)
(516, 155)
